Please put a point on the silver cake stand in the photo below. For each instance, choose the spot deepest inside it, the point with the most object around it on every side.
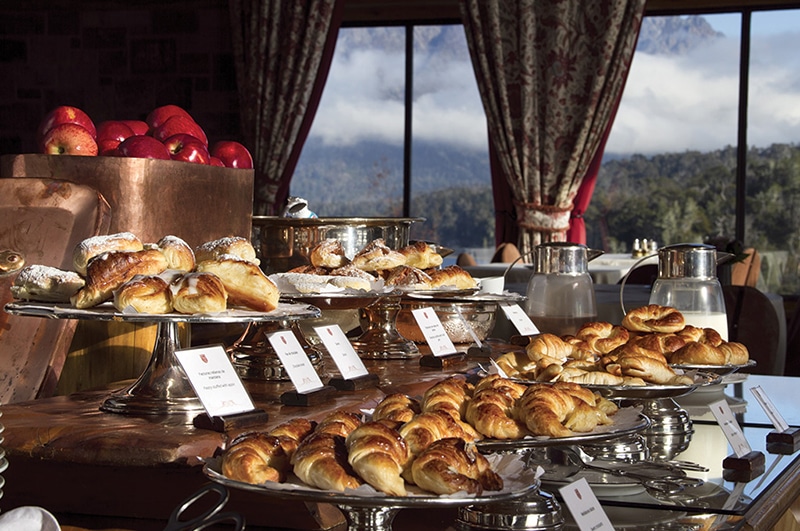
(163, 388)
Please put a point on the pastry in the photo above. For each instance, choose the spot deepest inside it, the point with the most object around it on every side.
(231, 245)
(426, 428)
(408, 276)
(602, 337)
(544, 409)
(144, 294)
(108, 271)
(396, 407)
(46, 284)
(651, 370)
(180, 256)
(654, 318)
(377, 256)
(328, 253)
(451, 465)
(321, 461)
(340, 422)
(491, 409)
(700, 335)
(292, 432)
(247, 286)
(255, 458)
(97, 245)
(421, 255)
(198, 293)
(379, 454)
(451, 277)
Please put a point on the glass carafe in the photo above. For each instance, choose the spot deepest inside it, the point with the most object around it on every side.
(560, 292)
(687, 280)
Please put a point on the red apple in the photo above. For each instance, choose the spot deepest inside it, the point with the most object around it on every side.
(108, 148)
(64, 114)
(113, 130)
(69, 139)
(139, 127)
(232, 154)
(143, 147)
(187, 149)
(159, 115)
(214, 161)
(179, 125)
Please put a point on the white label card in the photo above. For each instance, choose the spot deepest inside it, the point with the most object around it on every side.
(344, 355)
(584, 507)
(733, 432)
(769, 408)
(214, 380)
(295, 361)
(520, 319)
(435, 335)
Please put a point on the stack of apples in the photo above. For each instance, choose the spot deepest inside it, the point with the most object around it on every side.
(169, 132)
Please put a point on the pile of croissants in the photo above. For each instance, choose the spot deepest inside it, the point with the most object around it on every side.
(163, 277)
(427, 442)
(642, 350)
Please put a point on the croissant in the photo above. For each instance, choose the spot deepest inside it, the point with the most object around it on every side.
(426, 428)
(602, 337)
(701, 335)
(736, 353)
(491, 412)
(379, 454)
(398, 407)
(451, 465)
(517, 364)
(292, 432)
(449, 395)
(321, 461)
(654, 318)
(105, 243)
(255, 458)
(666, 344)
(549, 346)
(451, 276)
(421, 255)
(543, 409)
(651, 370)
(340, 422)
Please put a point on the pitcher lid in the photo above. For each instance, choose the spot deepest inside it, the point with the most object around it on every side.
(687, 260)
(560, 257)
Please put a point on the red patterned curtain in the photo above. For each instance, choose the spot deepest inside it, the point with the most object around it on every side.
(550, 75)
(283, 52)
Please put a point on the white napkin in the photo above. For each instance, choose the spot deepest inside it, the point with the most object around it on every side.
(28, 519)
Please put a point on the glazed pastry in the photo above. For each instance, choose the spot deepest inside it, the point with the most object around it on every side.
(292, 432)
(491, 409)
(144, 294)
(329, 254)
(247, 286)
(421, 255)
(379, 454)
(396, 407)
(544, 409)
(230, 245)
(180, 256)
(339, 422)
(46, 284)
(426, 428)
(255, 458)
(601, 337)
(198, 293)
(449, 396)
(107, 272)
(451, 465)
(97, 245)
(654, 318)
(321, 461)
(701, 335)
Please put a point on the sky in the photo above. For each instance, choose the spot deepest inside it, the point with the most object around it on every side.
(670, 104)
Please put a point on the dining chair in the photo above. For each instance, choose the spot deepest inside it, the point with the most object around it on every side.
(753, 321)
(644, 274)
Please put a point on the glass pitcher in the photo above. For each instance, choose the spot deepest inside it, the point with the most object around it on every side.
(687, 280)
(560, 292)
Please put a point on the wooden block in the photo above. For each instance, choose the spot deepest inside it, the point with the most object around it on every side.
(745, 468)
(441, 362)
(231, 422)
(312, 398)
(355, 384)
(520, 341)
(783, 442)
(483, 352)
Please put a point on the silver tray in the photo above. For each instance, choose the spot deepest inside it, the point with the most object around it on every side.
(653, 391)
(441, 293)
(471, 296)
(722, 370)
(627, 421)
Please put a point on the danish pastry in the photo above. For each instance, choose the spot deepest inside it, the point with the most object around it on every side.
(108, 271)
(97, 245)
(245, 283)
(145, 294)
(255, 458)
(178, 253)
(377, 256)
(230, 245)
(452, 277)
(421, 255)
(46, 284)
(198, 293)
(328, 253)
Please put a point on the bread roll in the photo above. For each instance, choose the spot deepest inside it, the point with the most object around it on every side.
(144, 294)
(46, 284)
(247, 286)
(198, 292)
(107, 272)
(97, 245)
(379, 455)
(179, 254)
(231, 245)
(451, 465)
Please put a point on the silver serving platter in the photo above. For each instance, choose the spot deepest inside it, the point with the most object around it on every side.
(464, 296)
(627, 421)
(722, 370)
(654, 391)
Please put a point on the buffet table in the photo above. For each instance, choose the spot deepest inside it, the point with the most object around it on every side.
(133, 471)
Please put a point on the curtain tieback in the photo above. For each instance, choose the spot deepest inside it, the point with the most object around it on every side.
(543, 218)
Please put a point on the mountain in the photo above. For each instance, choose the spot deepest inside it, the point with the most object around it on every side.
(674, 35)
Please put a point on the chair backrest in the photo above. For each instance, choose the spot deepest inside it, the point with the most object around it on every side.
(644, 274)
(753, 321)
